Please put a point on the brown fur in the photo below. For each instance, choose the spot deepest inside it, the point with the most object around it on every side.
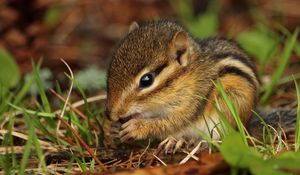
(239, 93)
(183, 92)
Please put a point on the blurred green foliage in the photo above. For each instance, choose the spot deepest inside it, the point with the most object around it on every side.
(239, 155)
(52, 16)
(283, 61)
(261, 43)
(9, 71)
(202, 25)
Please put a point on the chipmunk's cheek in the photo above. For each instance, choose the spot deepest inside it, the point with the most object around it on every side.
(132, 130)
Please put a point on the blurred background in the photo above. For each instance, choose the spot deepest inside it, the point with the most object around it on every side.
(83, 33)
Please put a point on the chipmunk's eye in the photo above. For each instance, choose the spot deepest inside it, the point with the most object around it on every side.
(146, 80)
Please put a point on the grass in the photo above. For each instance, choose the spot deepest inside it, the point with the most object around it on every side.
(233, 110)
(286, 54)
(255, 159)
(261, 157)
(43, 120)
(41, 89)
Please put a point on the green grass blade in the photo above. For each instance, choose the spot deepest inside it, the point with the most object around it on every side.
(4, 95)
(227, 128)
(25, 88)
(40, 154)
(9, 160)
(297, 134)
(287, 51)
(233, 111)
(24, 91)
(70, 164)
(81, 164)
(269, 134)
(36, 144)
(37, 124)
(41, 114)
(4, 164)
(41, 88)
(77, 85)
(27, 149)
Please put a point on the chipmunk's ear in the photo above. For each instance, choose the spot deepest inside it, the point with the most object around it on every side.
(134, 25)
(179, 47)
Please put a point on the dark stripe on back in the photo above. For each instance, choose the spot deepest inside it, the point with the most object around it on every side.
(236, 71)
(242, 58)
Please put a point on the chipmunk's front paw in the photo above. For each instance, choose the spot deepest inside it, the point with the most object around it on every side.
(171, 144)
(134, 129)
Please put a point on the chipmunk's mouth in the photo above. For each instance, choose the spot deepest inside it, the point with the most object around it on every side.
(124, 119)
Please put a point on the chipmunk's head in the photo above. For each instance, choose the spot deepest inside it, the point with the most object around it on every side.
(147, 69)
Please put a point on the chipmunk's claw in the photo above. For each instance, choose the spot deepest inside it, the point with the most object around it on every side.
(180, 143)
(171, 145)
(132, 130)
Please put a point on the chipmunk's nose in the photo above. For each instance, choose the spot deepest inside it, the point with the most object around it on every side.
(108, 114)
(113, 111)
(111, 115)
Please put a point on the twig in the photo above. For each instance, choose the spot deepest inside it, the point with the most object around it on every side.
(276, 135)
(159, 160)
(74, 109)
(157, 151)
(57, 112)
(70, 90)
(67, 99)
(129, 164)
(249, 137)
(139, 162)
(82, 102)
(191, 154)
(24, 137)
(284, 140)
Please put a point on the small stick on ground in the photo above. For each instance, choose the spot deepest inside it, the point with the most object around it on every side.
(84, 117)
(143, 153)
(129, 164)
(191, 154)
(82, 102)
(162, 162)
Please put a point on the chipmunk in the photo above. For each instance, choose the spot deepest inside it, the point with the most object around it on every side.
(161, 80)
